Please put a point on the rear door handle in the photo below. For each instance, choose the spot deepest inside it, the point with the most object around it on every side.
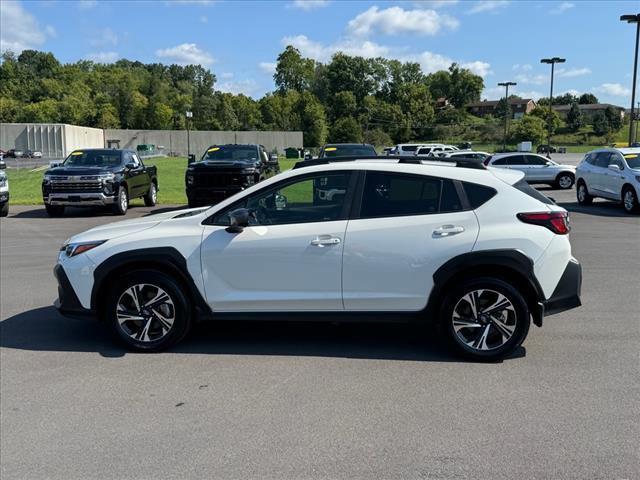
(448, 230)
(325, 241)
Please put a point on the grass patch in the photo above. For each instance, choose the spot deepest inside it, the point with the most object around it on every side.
(26, 185)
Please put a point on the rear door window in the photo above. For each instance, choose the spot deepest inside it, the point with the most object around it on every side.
(535, 161)
(516, 160)
(602, 159)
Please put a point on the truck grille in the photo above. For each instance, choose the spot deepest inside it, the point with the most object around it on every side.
(76, 187)
(219, 180)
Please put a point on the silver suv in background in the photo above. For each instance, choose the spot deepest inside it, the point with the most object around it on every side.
(536, 168)
(610, 173)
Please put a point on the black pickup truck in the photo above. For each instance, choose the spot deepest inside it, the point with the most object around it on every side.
(99, 177)
(225, 170)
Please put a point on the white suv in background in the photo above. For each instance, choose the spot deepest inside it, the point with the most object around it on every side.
(479, 252)
(536, 168)
(610, 173)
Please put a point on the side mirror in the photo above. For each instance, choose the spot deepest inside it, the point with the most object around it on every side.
(130, 166)
(280, 201)
(307, 156)
(191, 158)
(239, 219)
(54, 164)
(548, 164)
(614, 167)
(273, 159)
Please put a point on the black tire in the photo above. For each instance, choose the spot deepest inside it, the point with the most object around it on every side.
(4, 210)
(565, 181)
(54, 210)
(582, 194)
(630, 200)
(180, 308)
(150, 199)
(516, 318)
(122, 202)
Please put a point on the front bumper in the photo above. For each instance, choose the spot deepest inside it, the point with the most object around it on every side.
(79, 199)
(4, 197)
(67, 302)
(567, 293)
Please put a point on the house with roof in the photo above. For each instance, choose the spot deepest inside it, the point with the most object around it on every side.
(519, 107)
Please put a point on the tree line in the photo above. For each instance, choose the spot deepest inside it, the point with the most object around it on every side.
(349, 98)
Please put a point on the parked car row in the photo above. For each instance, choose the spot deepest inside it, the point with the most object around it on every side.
(16, 153)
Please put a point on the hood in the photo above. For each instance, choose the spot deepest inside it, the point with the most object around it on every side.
(508, 176)
(128, 227)
(82, 170)
(567, 167)
(222, 164)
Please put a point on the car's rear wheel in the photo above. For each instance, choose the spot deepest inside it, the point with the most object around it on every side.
(582, 194)
(151, 198)
(148, 310)
(484, 318)
(122, 202)
(565, 181)
(630, 200)
(4, 210)
(54, 210)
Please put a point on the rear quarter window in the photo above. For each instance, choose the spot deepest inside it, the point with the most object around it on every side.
(478, 194)
(527, 189)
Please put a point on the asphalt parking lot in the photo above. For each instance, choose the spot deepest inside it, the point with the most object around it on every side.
(323, 400)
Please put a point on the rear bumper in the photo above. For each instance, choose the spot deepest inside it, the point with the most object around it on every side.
(67, 302)
(567, 293)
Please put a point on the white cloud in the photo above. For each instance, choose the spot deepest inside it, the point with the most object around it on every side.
(19, 30)
(614, 89)
(104, 37)
(571, 91)
(432, 62)
(103, 57)
(562, 7)
(528, 94)
(323, 53)
(87, 4)
(226, 75)
(309, 4)
(479, 68)
(396, 20)
(538, 79)
(488, 6)
(186, 54)
(268, 67)
(50, 31)
(247, 87)
(573, 72)
(525, 67)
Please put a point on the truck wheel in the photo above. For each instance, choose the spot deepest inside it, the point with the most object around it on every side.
(4, 211)
(484, 318)
(122, 202)
(54, 210)
(151, 198)
(148, 310)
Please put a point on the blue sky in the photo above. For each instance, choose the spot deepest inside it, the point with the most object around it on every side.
(240, 40)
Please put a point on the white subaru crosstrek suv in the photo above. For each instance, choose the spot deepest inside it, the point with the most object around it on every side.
(479, 252)
(536, 168)
(610, 173)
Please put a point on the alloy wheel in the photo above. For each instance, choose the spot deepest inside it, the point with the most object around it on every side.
(123, 201)
(582, 193)
(565, 181)
(484, 320)
(629, 200)
(145, 312)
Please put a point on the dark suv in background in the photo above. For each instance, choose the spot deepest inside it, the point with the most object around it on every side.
(99, 177)
(347, 150)
(225, 170)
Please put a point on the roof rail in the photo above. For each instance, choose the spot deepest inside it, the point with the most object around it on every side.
(403, 159)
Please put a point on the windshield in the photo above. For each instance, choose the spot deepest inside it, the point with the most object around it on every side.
(242, 153)
(94, 158)
(340, 150)
(633, 160)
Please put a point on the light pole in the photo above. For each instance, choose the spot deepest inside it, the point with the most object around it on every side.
(507, 111)
(188, 114)
(633, 19)
(553, 62)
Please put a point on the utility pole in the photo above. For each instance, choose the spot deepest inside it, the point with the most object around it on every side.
(188, 115)
(633, 19)
(507, 112)
(553, 62)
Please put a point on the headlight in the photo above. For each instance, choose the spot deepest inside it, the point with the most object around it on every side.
(107, 177)
(247, 171)
(3, 181)
(76, 248)
(47, 178)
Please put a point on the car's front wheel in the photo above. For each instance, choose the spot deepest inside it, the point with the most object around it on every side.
(630, 200)
(122, 202)
(148, 310)
(4, 210)
(484, 318)
(565, 181)
(582, 194)
(151, 198)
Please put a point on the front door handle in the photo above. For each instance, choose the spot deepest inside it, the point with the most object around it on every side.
(325, 241)
(448, 230)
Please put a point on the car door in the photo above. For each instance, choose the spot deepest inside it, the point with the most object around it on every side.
(290, 257)
(538, 169)
(614, 180)
(133, 174)
(143, 178)
(518, 162)
(406, 228)
(599, 173)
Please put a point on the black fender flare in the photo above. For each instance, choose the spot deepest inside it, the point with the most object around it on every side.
(167, 259)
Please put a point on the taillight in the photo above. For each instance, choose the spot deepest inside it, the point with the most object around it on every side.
(557, 222)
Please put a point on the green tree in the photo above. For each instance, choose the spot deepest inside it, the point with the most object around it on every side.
(343, 104)
(600, 124)
(529, 128)
(313, 120)
(377, 137)
(587, 99)
(345, 130)
(293, 71)
(548, 116)
(613, 118)
(574, 118)
(465, 86)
